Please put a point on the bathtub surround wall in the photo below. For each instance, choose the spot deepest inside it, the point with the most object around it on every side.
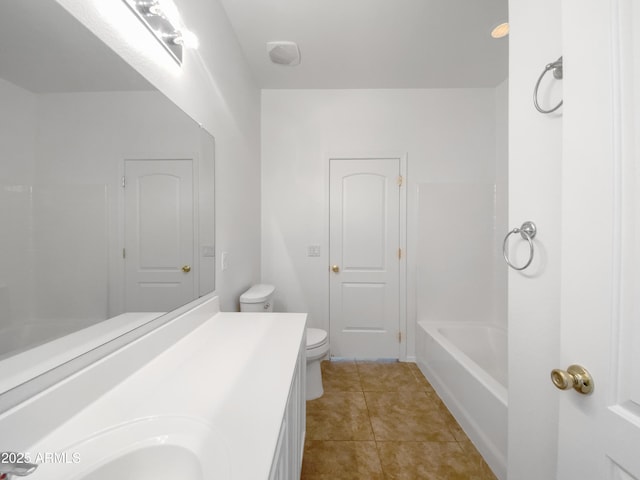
(71, 284)
(455, 255)
(501, 207)
(466, 261)
(214, 87)
(17, 133)
(449, 137)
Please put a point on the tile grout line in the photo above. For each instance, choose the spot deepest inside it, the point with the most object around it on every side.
(375, 438)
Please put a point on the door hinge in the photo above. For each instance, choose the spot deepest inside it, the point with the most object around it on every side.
(400, 180)
(399, 337)
(124, 253)
(399, 253)
(124, 182)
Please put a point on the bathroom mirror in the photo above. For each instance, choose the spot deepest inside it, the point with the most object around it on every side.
(106, 191)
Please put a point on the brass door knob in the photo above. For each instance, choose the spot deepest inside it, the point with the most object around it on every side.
(335, 268)
(575, 377)
(186, 268)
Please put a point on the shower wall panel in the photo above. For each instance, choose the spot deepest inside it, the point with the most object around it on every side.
(455, 256)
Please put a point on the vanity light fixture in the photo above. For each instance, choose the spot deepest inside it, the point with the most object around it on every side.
(162, 18)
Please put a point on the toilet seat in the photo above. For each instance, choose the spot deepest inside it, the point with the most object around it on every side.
(316, 337)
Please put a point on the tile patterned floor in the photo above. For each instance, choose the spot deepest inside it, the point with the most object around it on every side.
(383, 421)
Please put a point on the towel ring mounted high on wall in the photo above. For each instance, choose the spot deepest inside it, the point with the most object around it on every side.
(527, 231)
(556, 67)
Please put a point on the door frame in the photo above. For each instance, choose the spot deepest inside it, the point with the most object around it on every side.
(402, 280)
(118, 285)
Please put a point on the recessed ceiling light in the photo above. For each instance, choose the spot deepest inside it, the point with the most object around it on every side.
(500, 31)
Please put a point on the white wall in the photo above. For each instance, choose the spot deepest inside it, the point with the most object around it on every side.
(448, 135)
(535, 157)
(213, 86)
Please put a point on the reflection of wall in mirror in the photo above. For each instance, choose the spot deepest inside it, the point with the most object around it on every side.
(64, 153)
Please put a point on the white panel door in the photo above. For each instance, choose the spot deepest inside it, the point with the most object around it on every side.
(364, 245)
(159, 234)
(599, 434)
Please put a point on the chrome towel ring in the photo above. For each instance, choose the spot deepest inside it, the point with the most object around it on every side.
(557, 74)
(527, 231)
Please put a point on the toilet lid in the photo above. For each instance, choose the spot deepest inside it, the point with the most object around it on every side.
(257, 294)
(315, 337)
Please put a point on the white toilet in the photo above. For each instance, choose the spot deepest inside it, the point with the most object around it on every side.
(259, 298)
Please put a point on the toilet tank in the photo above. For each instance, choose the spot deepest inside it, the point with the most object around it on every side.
(258, 298)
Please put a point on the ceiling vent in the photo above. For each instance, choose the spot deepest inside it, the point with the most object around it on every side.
(284, 53)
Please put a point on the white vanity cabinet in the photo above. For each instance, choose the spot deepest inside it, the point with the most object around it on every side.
(287, 462)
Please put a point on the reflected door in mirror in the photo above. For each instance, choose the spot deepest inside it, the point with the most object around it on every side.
(159, 234)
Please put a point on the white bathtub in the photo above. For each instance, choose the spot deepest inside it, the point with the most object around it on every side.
(467, 365)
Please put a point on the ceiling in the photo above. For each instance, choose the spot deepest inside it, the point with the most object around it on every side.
(374, 43)
(44, 49)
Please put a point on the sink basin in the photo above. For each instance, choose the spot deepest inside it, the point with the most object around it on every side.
(145, 449)
(160, 461)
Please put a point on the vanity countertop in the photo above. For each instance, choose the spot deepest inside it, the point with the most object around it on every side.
(232, 373)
